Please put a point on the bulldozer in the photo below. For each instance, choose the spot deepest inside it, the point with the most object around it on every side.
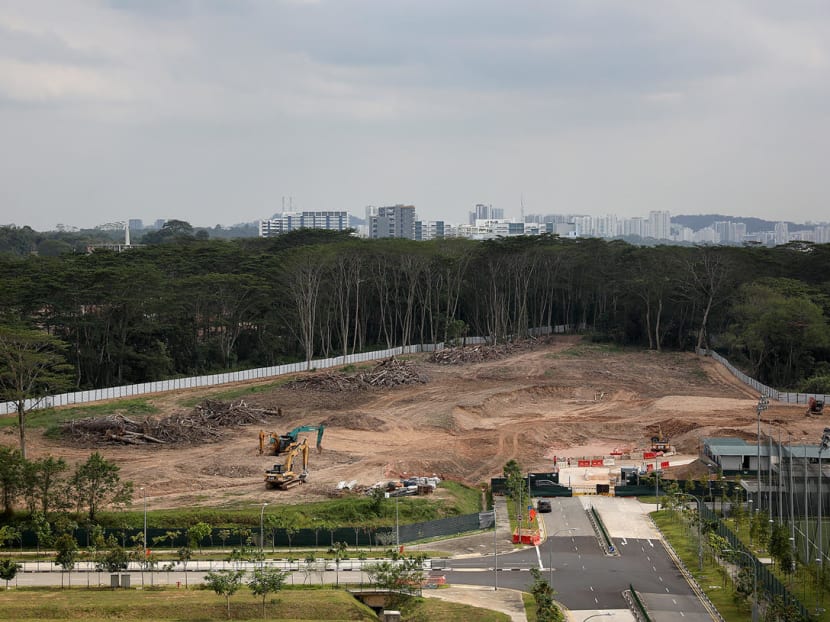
(273, 444)
(814, 407)
(660, 442)
(283, 476)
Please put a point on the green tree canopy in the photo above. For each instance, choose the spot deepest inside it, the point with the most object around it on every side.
(96, 483)
(32, 365)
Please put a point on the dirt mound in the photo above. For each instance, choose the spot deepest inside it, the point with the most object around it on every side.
(354, 421)
(671, 427)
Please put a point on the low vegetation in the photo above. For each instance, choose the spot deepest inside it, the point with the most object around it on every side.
(104, 605)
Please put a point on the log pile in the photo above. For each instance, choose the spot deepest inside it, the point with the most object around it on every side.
(204, 425)
(388, 373)
(476, 354)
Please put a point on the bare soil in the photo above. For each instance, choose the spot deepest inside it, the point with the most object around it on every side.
(463, 424)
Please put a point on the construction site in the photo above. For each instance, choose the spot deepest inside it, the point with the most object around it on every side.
(458, 414)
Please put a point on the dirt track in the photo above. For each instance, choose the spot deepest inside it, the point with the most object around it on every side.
(465, 423)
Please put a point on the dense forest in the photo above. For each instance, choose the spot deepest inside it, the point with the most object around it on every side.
(188, 306)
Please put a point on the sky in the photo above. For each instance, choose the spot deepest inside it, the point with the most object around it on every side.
(216, 111)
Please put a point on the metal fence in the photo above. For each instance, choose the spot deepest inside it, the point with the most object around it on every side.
(323, 536)
(781, 396)
(767, 581)
(176, 384)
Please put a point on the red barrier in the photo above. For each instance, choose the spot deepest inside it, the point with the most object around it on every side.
(527, 537)
(664, 465)
(649, 467)
(583, 463)
(649, 455)
(596, 463)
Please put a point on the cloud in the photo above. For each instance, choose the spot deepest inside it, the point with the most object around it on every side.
(440, 103)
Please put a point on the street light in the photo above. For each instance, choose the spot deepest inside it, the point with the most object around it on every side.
(763, 403)
(699, 521)
(495, 551)
(825, 444)
(754, 581)
(262, 535)
(144, 560)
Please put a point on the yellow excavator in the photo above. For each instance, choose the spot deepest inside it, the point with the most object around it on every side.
(283, 476)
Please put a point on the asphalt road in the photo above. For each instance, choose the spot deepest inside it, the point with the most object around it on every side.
(583, 576)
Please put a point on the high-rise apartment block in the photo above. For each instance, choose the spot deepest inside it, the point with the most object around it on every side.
(394, 221)
(291, 221)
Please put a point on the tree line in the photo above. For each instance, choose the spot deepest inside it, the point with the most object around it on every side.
(189, 306)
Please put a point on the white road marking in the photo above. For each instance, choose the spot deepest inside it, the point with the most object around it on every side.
(674, 601)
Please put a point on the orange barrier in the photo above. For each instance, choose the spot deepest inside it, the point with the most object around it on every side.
(583, 463)
(527, 536)
(597, 463)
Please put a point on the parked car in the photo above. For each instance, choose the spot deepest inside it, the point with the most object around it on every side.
(543, 505)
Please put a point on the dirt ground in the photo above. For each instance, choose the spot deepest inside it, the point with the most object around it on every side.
(464, 424)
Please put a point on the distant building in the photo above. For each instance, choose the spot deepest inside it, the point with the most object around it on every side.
(659, 225)
(394, 221)
(431, 230)
(782, 234)
(291, 221)
(136, 224)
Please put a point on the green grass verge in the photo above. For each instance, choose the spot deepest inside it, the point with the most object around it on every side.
(232, 394)
(104, 605)
(349, 511)
(584, 349)
(51, 419)
(712, 579)
(530, 606)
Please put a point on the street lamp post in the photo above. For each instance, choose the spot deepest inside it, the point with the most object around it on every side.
(825, 444)
(144, 544)
(262, 535)
(754, 581)
(762, 406)
(699, 532)
(550, 551)
(495, 551)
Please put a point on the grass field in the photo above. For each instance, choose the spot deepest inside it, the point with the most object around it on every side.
(197, 605)
(712, 579)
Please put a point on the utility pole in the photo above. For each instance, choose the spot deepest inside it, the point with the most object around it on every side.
(495, 550)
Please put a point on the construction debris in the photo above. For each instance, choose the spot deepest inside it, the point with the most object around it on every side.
(205, 424)
(388, 373)
(477, 354)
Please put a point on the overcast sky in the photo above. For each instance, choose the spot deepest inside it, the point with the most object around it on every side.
(213, 111)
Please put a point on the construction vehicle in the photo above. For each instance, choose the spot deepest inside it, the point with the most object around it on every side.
(274, 444)
(814, 406)
(660, 442)
(283, 476)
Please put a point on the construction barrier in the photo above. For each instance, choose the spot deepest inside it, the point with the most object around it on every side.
(526, 536)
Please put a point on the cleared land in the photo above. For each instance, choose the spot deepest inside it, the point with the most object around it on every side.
(561, 398)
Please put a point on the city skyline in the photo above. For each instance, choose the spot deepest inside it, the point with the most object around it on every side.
(212, 112)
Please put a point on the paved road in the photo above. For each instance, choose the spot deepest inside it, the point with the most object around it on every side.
(584, 577)
(587, 581)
